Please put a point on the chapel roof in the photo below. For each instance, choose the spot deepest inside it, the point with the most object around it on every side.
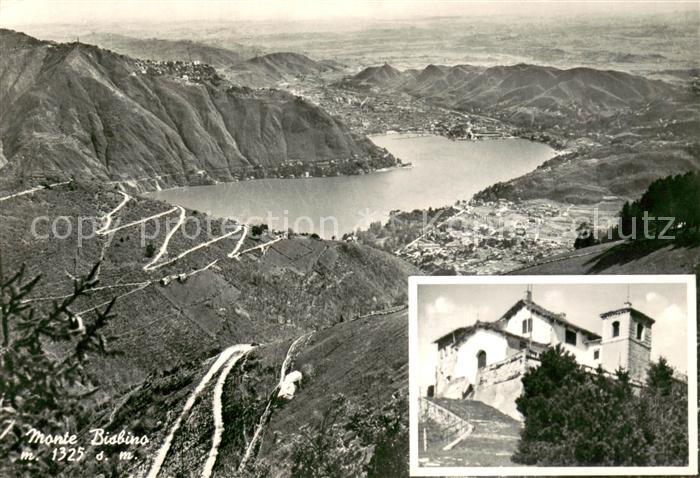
(498, 325)
(547, 314)
(461, 333)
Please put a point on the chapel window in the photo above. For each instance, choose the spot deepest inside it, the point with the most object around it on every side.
(640, 332)
(481, 359)
(615, 329)
(570, 337)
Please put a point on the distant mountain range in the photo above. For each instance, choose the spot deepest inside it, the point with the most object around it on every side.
(83, 111)
(523, 93)
(244, 65)
(172, 50)
(622, 131)
(271, 69)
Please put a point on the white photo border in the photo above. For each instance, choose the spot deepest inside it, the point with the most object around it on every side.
(687, 279)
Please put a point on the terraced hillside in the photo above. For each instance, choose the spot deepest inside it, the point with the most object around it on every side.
(197, 291)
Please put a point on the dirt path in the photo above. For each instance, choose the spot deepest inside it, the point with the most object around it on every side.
(140, 221)
(32, 190)
(217, 410)
(142, 286)
(94, 289)
(234, 353)
(107, 218)
(166, 241)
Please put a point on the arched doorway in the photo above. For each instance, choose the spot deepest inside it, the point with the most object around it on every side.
(481, 359)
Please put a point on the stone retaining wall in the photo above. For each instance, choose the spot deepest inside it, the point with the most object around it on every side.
(499, 384)
(454, 428)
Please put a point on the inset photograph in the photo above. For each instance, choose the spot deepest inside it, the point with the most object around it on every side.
(553, 375)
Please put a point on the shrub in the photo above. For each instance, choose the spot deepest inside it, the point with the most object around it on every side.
(150, 250)
(576, 418)
(258, 229)
(369, 442)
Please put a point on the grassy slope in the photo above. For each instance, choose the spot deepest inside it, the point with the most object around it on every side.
(363, 359)
(643, 257)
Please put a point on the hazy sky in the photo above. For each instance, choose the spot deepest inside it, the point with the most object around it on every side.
(23, 12)
(443, 308)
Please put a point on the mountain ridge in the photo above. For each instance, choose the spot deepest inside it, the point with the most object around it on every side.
(82, 111)
(274, 68)
(171, 50)
(544, 89)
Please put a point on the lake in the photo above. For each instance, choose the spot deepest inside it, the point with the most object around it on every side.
(443, 172)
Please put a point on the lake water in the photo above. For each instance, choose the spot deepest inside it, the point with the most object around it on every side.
(443, 172)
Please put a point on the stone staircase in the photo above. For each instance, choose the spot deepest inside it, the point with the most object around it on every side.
(492, 442)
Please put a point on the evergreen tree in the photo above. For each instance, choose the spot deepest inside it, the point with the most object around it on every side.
(47, 390)
(660, 377)
(577, 418)
(676, 197)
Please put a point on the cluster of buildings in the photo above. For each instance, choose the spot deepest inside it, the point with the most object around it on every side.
(490, 237)
(377, 112)
(192, 71)
(485, 361)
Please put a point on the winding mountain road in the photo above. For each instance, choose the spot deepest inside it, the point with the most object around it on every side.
(107, 218)
(164, 246)
(197, 247)
(231, 354)
(239, 243)
(32, 190)
(140, 221)
(264, 418)
(216, 410)
(261, 246)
